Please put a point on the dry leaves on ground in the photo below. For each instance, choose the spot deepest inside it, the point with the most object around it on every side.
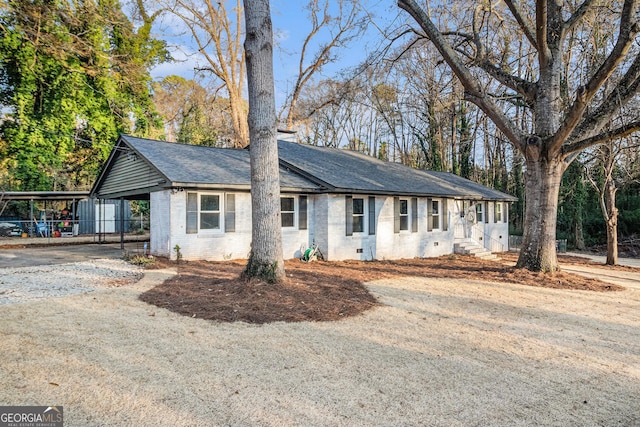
(325, 291)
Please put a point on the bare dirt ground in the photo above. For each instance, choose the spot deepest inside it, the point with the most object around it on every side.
(468, 349)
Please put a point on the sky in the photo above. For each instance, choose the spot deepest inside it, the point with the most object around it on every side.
(291, 25)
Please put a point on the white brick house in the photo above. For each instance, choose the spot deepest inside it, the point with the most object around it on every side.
(353, 206)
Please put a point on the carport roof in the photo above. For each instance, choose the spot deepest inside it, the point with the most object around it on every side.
(44, 195)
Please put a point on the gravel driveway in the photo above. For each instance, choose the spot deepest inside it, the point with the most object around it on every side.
(438, 353)
(25, 284)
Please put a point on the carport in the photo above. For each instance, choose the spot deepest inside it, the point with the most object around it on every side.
(41, 196)
(84, 215)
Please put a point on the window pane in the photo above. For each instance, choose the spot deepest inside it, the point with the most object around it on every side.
(209, 203)
(209, 221)
(286, 204)
(479, 212)
(358, 224)
(192, 222)
(358, 207)
(435, 222)
(404, 222)
(435, 207)
(287, 219)
(404, 207)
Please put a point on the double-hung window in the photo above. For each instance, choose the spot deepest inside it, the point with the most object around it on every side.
(405, 215)
(356, 214)
(435, 214)
(497, 214)
(209, 212)
(204, 212)
(288, 211)
(293, 212)
(479, 212)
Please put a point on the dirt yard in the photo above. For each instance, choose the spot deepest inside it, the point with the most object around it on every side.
(439, 345)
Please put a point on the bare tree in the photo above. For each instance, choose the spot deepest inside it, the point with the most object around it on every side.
(569, 117)
(607, 172)
(342, 28)
(218, 32)
(266, 259)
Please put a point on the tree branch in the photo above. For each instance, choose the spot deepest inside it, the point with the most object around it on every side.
(626, 89)
(585, 94)
(524, 23)
(474, 92)
(603, 137)
(578, 14)
(544, 54)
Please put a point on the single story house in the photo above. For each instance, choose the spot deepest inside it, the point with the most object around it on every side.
(351, 205)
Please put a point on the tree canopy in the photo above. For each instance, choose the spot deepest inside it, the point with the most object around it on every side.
(72, 76)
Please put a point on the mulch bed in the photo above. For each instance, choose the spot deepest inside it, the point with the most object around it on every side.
(327, 291)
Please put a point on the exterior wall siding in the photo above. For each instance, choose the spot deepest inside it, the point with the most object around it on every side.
(130, 173)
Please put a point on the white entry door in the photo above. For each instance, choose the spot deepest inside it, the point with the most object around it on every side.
(105, 218)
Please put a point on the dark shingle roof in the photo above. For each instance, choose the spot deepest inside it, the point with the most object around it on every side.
(303, 168)
(349, 171)
(195, 164)
(482, 190)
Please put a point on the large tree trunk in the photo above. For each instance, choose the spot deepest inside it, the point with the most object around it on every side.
(542, 182)
(611, 218)
(266, 259)
(579, 233)
(612, 242)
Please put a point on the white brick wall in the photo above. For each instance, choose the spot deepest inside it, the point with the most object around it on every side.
(326, 225)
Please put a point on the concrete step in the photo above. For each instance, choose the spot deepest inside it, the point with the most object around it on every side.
(473, 248)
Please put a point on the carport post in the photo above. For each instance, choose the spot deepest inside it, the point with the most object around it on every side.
(122, 223)
(31, 219)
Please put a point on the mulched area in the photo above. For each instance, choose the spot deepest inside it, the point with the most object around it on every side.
(328, 291)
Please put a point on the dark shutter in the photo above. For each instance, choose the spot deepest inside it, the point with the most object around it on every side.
(505, 212)
(396, 214)
(230, 213)
(348, 217)
(486, 212)
(414, 214)
(302, 212)
(429, 214)
(192, 213)
(372, 215)
(445, 215)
